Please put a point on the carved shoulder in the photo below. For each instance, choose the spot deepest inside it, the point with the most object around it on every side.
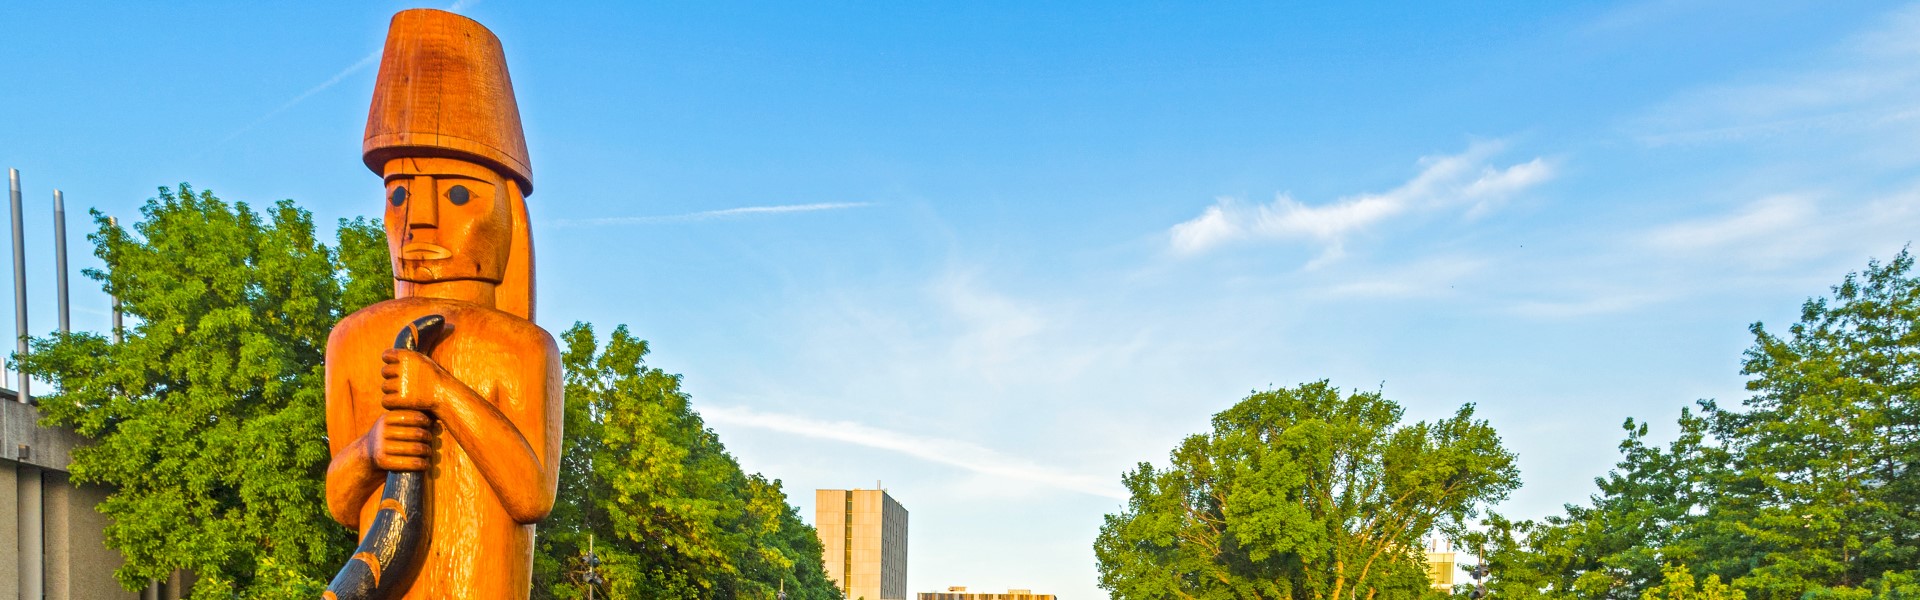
(520, 334)
(368, 328)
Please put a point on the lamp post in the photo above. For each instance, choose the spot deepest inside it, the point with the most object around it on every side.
(592, 563)
(1479, 573)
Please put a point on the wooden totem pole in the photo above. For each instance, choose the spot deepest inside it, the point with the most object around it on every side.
(444, 403)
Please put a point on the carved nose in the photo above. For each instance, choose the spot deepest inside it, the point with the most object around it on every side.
(423, 209)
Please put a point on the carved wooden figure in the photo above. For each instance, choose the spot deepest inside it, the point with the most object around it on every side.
(476, 409)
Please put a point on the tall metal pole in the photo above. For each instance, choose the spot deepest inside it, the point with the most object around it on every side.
(27, 518)
(60, 256)
(19, 278)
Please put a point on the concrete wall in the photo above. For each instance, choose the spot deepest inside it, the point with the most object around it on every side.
(80, 566)
(9, 530)
(22, 439)
(893, 548)
(830, 510)
(76, 562)
(77, 565)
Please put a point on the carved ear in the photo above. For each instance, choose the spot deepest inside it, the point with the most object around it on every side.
(515, 292)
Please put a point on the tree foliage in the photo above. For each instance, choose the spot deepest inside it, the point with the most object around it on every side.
(1620, 545)
(207, 419)
(1806, 490)
(1677, 583)
(671, 513)
(1303, 493)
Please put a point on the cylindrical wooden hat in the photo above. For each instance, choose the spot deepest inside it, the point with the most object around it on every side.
(443, 90)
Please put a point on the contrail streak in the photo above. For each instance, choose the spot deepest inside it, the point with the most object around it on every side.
(710, 214)
(330, 82)
(964, 455)
(335, 80)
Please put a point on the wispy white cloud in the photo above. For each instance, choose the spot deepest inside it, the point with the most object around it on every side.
(1766, 218)
(1869, 86)
(1426, 277)
(1791, 232)
(1582, 307)
(1466, 179)
(993, 331)
(964, 455)
(1634, 15)
(1496, 186)
(743, 211)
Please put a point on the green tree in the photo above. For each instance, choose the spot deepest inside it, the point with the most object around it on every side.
(207, 420)
(671, 513)
(1677, 583)
(1302, 493)
(1616, 546)
(1821, 491)
(1807, 490)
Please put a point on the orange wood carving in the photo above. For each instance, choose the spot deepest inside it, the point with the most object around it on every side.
(480, 412)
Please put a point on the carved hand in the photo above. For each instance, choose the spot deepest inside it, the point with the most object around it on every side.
(401, 441)
(411, 381)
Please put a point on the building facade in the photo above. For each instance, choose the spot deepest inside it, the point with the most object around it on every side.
(1441, 564)
(864, 533)
(960, 593)
(52, 541)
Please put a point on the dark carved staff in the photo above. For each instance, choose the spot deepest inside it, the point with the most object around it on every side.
(385, 555)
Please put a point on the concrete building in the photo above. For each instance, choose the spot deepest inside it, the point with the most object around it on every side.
(960, 592)
(865, 537)
(52, 543)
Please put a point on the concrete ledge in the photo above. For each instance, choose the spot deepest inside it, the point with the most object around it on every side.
(22, 439)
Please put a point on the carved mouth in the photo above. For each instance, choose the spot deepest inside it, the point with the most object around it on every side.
(424, 251)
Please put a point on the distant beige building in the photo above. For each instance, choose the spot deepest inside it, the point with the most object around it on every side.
(1440, 564)
(865, 537)
(960, 593)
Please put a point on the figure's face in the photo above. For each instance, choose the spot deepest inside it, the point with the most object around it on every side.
(447, 219)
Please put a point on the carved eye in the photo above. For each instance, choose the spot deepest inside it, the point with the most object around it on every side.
(399, 196)
(457, 195)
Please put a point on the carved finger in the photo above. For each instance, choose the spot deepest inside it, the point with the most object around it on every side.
(391, 371)
(408, 434)
(408, 418)
(404, 464)
(398, 400)
(408, 449)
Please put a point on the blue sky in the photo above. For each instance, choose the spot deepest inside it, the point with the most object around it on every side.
(995, 254)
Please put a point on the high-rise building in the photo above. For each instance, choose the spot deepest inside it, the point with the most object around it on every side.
(864, 533)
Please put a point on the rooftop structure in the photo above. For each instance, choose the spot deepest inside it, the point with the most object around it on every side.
(960, 592)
